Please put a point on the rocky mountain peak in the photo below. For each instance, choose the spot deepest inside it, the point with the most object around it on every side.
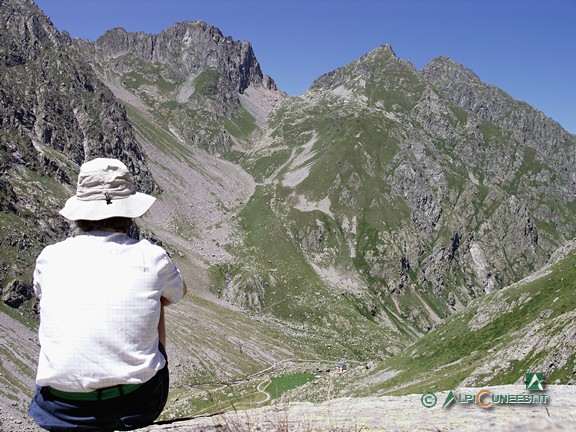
(191, 47)
(117, 41)
(486, 103)
(382, 50)
(381, 63)
(445, 68)
(190, 75)
(30, 32)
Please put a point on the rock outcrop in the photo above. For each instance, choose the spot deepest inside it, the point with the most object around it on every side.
(54, 115)
(190, 75)
(397, 413)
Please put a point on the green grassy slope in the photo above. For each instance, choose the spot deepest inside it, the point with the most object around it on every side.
(528, 327)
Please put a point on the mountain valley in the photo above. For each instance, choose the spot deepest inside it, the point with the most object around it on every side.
(416, 225)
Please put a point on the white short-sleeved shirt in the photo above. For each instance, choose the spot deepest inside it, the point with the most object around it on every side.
(99, 310)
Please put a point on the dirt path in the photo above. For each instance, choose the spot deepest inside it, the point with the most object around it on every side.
(262, 389)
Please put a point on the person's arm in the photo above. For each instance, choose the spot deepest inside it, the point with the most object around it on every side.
(162, 324)
(162, 327)
(165, 302)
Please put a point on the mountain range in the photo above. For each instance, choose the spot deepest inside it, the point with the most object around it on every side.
(387, 216)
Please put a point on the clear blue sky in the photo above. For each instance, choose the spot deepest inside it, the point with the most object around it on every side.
(525, 47)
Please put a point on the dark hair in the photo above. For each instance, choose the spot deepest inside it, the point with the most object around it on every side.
(110, 224)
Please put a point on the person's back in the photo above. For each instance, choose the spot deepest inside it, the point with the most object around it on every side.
(100, 311)
(102, 363)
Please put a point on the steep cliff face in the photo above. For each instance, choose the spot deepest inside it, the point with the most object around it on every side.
(194, 46)
(191, 76)
(54, 115)
(518, 130)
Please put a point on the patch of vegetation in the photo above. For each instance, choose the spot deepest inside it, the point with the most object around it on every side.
(146, 74)
(395, 85)
(240, 125)
(460, 114)
(282, 384)
(154, 134)
(263, 167)
(206, 84)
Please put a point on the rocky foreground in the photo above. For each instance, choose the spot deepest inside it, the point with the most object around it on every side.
(387, 413)
(398, 413)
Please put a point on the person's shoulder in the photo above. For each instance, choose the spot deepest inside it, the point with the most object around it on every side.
(154, 253)
(57, 248)
(151, 248)
(54, 247)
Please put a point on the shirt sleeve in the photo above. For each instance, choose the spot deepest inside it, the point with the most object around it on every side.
(171, 281)
(37, 280)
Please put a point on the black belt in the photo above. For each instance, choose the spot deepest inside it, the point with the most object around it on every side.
(100, 394)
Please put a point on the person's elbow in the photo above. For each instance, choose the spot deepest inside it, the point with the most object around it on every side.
(165, 302)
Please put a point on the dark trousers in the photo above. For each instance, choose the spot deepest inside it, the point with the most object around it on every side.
(131, 411)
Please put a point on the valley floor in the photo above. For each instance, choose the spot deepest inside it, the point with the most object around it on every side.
(401, 413)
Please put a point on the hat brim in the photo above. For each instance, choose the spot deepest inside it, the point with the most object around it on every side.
(131, 207)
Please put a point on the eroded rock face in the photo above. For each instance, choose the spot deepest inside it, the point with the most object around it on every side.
(191, 64)
(194, 46)
(440, 172)
(55, 114)
(17, 293)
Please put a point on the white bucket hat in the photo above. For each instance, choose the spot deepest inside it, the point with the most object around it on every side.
(105, 189)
